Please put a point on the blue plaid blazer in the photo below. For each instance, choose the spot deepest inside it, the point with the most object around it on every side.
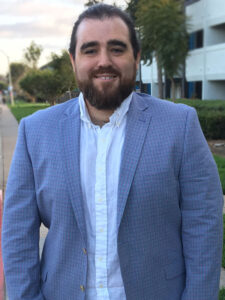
(169, 207)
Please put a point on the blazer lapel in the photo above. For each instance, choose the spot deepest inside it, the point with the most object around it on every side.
(70, 132)
(137, 125)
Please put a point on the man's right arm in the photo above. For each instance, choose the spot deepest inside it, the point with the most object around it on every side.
(21, 222)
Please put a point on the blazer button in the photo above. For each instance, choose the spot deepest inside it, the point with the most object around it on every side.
(84, 250)
(82, 288)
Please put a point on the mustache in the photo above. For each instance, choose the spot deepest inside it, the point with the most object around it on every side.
(102, 70)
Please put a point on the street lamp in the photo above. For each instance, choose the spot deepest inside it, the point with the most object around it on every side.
(10, 78)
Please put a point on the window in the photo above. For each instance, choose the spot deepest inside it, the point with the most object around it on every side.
(196, 40)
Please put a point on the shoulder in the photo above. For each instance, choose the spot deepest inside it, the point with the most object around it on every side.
(161, 106)
(53, 114)
(163, 110)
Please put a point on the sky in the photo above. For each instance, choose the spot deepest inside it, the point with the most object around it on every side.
(47, 23)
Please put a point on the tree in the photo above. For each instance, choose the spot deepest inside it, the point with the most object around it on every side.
(17, 71)
(32, 54)
(50, 85)
(52, 81)
(164, 36)
(132, 8)
(62, 65)
(30, 83)
(3, 86)
(92, 2)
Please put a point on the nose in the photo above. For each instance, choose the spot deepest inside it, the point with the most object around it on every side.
(104, 59)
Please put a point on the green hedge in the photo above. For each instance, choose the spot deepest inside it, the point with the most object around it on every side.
(211, 116)
(213, 124)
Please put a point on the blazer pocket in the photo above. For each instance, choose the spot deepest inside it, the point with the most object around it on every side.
(174, 269)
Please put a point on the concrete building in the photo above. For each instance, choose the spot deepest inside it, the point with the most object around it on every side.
(205, 64)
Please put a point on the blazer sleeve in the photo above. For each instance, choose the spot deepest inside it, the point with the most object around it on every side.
(202, 219)
(21, 223)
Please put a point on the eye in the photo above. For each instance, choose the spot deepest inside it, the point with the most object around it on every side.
(90, 51)
(117, 50)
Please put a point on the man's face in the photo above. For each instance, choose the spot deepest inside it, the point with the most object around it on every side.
(104, 62)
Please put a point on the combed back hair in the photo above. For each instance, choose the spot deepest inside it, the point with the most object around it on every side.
(100, 12)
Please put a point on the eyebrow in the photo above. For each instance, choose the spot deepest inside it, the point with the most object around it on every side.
(110, 43)
(117, 43)
(88, 45)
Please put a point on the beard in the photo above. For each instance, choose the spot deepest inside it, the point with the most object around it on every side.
(109, 97)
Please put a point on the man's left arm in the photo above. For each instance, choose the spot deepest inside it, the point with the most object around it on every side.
(202, 219)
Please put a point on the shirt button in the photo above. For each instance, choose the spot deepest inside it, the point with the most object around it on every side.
(100, 200)
(82, 288)
(101, 286)
(84, 250)
(101, 229)
(100, 258)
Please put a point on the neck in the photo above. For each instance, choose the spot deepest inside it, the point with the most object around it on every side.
(98, 117)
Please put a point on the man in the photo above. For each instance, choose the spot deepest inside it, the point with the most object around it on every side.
(125, 183)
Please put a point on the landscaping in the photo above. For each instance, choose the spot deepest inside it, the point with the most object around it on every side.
(220, 161)
(211, 116)
(222, 294)
(23, 109)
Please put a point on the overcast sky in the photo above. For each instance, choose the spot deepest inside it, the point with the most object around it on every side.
(47, 22)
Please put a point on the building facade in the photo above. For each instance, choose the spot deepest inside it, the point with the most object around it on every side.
(205, 64)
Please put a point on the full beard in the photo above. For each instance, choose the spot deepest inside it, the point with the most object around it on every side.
(108, 98)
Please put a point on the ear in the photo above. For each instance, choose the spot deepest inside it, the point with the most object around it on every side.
(138, 59)
(72, 61)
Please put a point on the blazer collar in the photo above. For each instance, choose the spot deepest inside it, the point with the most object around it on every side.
(70, 146)
(138, 121)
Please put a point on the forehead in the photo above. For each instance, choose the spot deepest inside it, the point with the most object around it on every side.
(102, 30)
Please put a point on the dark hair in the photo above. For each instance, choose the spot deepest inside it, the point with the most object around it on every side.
(101, 11)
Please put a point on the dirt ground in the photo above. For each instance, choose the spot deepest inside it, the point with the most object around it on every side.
(217, 147)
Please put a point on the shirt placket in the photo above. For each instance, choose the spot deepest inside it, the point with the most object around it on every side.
(101, 215)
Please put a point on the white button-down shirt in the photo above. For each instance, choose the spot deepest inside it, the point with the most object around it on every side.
(100, 157)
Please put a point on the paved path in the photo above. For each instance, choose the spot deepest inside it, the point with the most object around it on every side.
(8, 136)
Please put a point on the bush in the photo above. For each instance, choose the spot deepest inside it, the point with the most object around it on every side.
(211, 116)
(213, 124)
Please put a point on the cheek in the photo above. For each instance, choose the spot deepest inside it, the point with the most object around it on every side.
(129, 69)
(81, 72)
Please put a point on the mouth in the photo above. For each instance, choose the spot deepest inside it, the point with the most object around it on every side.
(106, 77)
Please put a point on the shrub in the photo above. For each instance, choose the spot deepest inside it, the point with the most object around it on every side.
(211, 116)
(213, 124)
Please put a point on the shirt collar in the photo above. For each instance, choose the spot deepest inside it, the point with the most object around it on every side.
(115, 119)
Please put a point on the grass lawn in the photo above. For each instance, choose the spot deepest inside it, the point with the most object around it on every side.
(23, 109)
(220, 161)
(222, 294)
